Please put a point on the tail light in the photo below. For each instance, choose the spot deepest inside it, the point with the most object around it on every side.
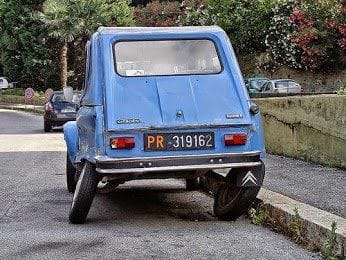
(276, 91)
(235, 139)
(301, 89)
(122, 143)
(48, 107)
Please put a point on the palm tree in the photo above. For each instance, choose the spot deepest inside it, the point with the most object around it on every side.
(69, 20)
(63, 27)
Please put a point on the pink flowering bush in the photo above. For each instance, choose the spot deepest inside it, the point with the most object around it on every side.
(308, 34)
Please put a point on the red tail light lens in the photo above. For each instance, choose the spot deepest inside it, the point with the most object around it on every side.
(235, 139)
(48, 107)
(122, 143)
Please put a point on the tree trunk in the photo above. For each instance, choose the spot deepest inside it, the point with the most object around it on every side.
(63, 65)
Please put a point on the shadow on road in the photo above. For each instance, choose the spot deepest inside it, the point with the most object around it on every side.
(150, 203)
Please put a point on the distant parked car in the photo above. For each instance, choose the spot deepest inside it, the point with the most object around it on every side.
(5, 83)
(57, 111)
(281, 86)
(254, 85)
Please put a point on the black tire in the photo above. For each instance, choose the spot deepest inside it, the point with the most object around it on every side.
(192, 184)
(232, 201)
(47, 126)
(70, 174)
(84, 194)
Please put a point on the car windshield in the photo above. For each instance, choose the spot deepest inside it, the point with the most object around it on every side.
(166, 57)
(257, 84)
(56, 98)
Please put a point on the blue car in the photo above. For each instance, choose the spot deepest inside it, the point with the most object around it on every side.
(165, 103)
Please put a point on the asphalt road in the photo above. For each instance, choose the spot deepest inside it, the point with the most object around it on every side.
(140, 220)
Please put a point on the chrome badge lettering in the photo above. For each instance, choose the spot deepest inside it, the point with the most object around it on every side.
(234, 116)
(128, 121)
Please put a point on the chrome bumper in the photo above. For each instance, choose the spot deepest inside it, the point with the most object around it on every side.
(108, 165)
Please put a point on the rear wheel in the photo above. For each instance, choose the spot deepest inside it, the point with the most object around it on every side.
(47, 126)
(84, 194)
(70, 174)
(232, 201)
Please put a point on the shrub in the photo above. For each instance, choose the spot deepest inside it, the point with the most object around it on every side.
(158, 14)
(307, 34)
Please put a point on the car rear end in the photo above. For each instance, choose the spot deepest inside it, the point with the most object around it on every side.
(176, 104)
(58, 111)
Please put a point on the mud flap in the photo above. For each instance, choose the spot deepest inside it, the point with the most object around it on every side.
(253, 177)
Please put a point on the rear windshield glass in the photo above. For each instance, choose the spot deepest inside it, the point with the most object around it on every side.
(56, 98)
(166, 57)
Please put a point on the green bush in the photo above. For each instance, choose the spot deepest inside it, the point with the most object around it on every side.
(13, 92)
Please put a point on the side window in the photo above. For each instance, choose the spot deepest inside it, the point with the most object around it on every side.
(87, 70)
(292, 84)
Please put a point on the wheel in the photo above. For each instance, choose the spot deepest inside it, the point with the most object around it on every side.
(192, 184)
(47, 126)
(70, 174)
(232, 201)
(84, 194)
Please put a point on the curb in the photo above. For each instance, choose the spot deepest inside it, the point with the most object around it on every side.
(315, 223)
(17, 108)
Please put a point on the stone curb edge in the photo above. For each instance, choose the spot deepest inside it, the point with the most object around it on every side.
(316, 223)
(31, 110)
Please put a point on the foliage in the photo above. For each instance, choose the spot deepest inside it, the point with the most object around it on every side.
(341, 91)
(257, 215)
(308, 34)
(280, 47)
(13, 92)
(73, 21)
(196, 12)
(295, 227)
(330, 245)
(25, 53)
(246, 22)
(158, 14)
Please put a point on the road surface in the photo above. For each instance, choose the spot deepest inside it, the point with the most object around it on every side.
(140, 220)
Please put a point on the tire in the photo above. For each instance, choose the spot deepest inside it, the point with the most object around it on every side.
(232, 201)
(47, 126)
(70, 174)
(192, 184)
(84, 194)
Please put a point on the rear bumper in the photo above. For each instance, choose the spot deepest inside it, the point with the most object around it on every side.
(107, 165)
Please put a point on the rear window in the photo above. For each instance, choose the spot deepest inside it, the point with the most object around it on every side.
(166, 57)
(59, 97)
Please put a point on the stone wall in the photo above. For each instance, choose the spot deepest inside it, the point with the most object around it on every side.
(311, 128)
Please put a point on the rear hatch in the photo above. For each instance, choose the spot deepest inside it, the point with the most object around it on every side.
(174, 102)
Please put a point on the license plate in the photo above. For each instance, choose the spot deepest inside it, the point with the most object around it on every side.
(179, 141)
(68, 110)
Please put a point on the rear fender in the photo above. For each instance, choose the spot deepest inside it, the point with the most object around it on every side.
(71, 138)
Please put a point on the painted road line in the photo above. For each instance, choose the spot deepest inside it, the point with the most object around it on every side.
(316, 223)
(32, 143)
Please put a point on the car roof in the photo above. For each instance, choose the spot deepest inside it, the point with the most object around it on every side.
(258, 78)
(149, 30)
(279, 80)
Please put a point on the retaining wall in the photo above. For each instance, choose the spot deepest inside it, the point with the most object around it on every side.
(312, 128)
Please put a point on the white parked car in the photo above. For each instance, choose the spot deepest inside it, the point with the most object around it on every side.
(5, 83)
(281, 86)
